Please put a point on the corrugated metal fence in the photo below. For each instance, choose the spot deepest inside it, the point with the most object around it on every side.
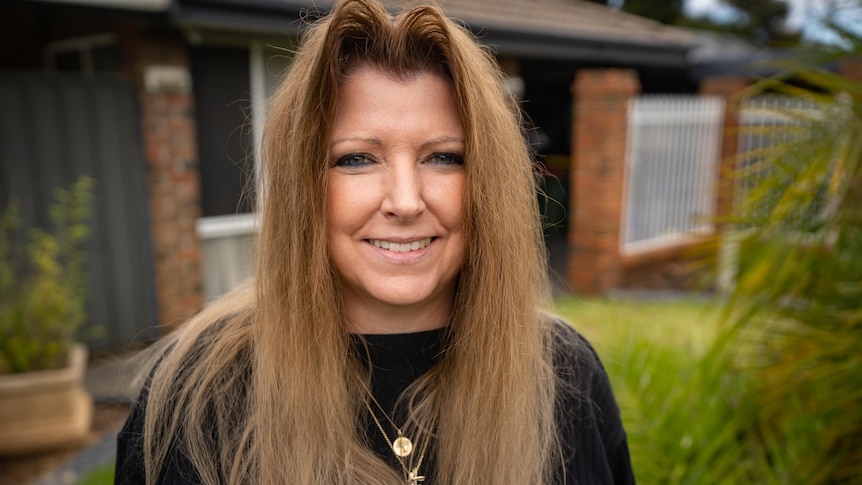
(671, 170)
(55, 128)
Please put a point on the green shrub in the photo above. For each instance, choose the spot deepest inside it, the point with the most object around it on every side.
(42, 283)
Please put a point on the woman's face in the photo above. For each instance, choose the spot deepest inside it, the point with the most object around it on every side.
(395, 211)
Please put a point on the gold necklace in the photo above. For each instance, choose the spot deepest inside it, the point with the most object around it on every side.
(402, 447)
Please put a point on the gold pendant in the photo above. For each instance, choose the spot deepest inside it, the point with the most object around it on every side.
(414, 478)
(402, 447)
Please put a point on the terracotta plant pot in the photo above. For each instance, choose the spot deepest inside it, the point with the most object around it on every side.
(45, 410)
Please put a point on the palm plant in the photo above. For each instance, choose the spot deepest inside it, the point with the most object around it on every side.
(797, 304)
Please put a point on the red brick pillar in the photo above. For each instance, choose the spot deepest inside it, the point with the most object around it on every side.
(850, 68)
(598, 168)
(159, 65)
(729, 88)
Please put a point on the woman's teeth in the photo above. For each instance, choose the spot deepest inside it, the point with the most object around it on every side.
(401, 247)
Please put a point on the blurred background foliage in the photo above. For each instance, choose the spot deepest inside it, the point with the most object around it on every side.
(796, 310)
(762, 22)
(763, 386)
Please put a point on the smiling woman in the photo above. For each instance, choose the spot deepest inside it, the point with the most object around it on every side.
(396, 328)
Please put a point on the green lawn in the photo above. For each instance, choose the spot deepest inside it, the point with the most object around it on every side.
(688, 324)
(103, 475)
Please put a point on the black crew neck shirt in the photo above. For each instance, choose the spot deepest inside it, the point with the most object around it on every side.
(594, 443)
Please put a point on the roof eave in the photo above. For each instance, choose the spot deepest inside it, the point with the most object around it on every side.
(256, 18)
(286, 17)
(131, 5)
(583, 48)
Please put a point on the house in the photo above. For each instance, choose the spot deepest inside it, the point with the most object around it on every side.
(159, 100)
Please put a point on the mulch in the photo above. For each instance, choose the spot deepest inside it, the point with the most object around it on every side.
(21, 470)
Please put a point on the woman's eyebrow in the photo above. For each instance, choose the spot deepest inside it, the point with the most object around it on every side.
(373, 141)
(442, 139)
(378, 142)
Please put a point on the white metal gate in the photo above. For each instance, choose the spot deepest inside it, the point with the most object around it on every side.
(671, 170)
(766, 122)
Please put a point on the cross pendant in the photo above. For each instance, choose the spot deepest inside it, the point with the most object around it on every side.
(414, 478)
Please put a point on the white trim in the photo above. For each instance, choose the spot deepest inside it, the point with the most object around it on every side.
(257, 83)
(666, 241)
(215, 227)
(167, 79)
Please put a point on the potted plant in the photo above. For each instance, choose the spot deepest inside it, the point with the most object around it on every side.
(43, 403)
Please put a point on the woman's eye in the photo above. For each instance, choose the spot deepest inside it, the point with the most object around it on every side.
(353, 160)
(446, 159)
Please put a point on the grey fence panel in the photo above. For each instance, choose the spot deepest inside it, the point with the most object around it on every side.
(14, 146)
(55, 128)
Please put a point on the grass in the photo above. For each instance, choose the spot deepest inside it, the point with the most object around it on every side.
(682, 403)
(685, 324)
(103, 475)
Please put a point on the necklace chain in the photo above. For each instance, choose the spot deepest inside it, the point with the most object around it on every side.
(402, 447)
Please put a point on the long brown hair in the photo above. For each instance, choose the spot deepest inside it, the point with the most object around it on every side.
(262, 387)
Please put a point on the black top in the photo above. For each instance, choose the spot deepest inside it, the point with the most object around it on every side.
(397, 360)
(596, 450)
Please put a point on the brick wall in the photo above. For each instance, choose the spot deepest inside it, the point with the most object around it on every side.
(598, 168)
(729, 88)
(158, 63)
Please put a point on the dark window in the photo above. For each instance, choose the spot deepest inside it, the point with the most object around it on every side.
(223, 104)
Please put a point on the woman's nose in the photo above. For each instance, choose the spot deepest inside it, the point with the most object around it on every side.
(403, 193)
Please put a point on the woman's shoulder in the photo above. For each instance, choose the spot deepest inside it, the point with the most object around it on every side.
(589, 417)
(583, 386)
(185, 371)
(571, 350)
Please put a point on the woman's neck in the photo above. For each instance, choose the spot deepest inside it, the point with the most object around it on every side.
(368, 319)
